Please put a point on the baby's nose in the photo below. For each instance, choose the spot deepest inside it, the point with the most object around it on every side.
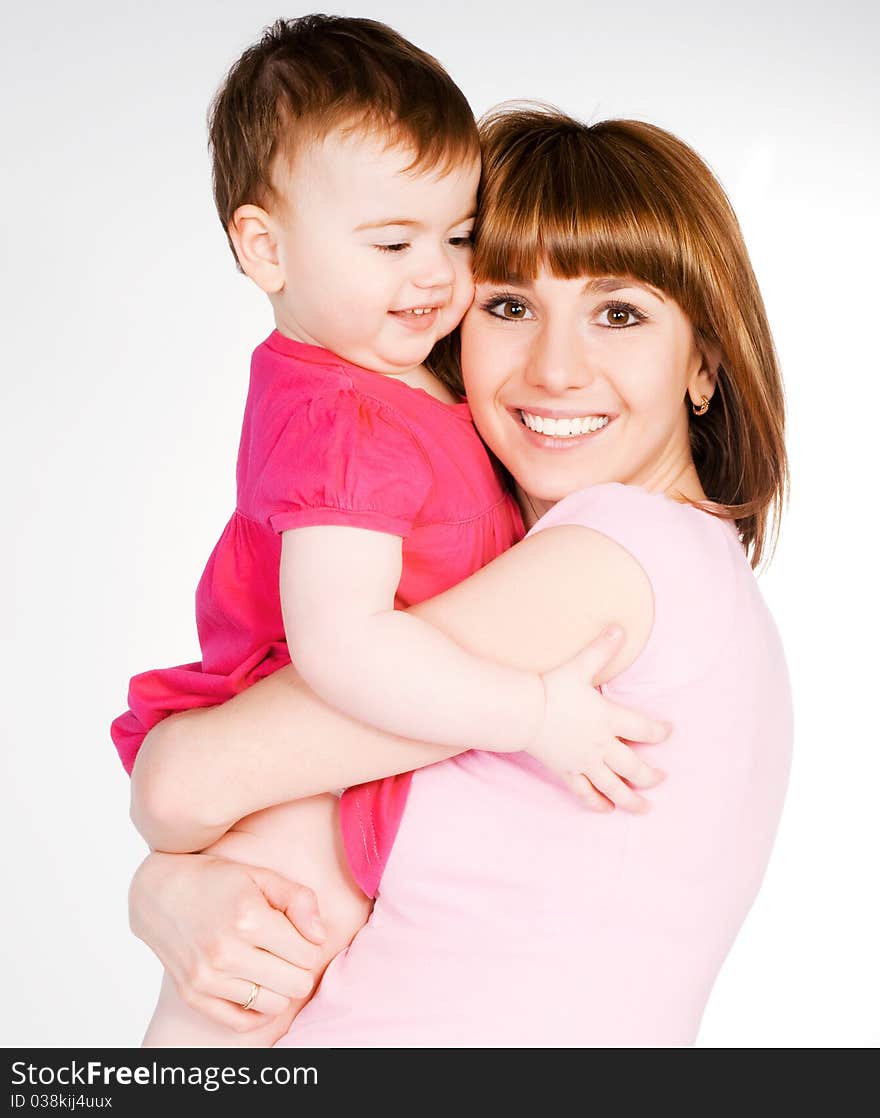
(435, 270)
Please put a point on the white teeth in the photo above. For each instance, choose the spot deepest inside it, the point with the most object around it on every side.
(564, 428)
(418, 310)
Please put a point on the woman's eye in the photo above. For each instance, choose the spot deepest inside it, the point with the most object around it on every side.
(618, 315)
(392, 248)
(511, 309)
(464, 241)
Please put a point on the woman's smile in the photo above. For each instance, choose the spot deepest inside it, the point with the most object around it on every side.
(574, 382)
(555, 429)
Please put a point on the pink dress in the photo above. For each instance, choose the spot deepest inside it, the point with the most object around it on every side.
(511, 916)
(326, 442)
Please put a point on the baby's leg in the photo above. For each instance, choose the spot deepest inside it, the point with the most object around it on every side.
(302, 842)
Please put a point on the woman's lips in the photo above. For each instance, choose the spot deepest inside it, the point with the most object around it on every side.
(565, 430)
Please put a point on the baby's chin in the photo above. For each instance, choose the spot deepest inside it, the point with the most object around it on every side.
(386, 362)
(395, 360)
(396, 351)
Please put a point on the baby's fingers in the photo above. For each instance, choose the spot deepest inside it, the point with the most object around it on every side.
(598, 654)
(620, 794)
(632, 726)
(585, 791)
(623, 760)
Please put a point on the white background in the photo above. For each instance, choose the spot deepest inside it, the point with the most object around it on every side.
(125, 347)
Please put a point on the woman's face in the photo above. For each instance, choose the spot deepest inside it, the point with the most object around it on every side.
(576, 382)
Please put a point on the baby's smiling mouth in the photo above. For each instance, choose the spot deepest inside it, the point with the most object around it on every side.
(418, 319)
(417, 312)
(568, 427)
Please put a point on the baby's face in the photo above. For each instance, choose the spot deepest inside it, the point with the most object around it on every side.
(376, 260)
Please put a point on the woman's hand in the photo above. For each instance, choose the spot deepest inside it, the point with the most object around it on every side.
(218, 926)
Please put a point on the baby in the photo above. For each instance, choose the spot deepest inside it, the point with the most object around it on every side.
(346, 166)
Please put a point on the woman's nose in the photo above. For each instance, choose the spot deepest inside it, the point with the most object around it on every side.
(558, 359)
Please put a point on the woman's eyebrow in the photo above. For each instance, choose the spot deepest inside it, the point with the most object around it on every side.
(608, 284)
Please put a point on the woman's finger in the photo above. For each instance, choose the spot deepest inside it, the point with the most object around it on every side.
(620, 794)
(297, 902)
(244, 954)
(276, 935)
(623, 760)
(585, 791)
(275, 974)
(219, 976)
(258, 998)
(223, 1012)
(238, 991)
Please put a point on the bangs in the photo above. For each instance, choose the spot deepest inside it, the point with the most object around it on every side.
(566, 200)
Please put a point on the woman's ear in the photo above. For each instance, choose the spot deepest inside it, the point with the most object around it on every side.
(705, 376)
(251, 231)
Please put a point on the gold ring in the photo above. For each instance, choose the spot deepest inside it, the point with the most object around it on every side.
(255, 989)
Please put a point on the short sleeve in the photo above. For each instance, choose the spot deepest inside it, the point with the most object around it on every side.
(345, 458)
(693, 562)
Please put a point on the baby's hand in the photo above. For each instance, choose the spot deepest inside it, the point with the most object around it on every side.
(580, 736)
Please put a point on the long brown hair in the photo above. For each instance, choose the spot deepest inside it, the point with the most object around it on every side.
(625, 198)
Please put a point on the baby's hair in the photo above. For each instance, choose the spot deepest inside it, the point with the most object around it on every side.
(309, 76)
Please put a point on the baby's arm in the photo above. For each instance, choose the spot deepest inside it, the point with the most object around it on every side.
(386, 667)
(199, 771)
(398, 673)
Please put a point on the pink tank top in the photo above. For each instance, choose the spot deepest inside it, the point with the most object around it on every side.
(509, 915)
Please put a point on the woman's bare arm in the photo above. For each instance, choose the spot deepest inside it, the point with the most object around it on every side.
(534, 607)
(199, 772)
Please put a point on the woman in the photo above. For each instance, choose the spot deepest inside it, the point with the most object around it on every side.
(618, 361)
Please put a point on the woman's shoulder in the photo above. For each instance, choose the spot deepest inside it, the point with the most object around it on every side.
(655, 529)
(691, 560)
(628, 505)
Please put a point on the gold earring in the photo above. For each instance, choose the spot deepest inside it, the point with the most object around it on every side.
(703, 408)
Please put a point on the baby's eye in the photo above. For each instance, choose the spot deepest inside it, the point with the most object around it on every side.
(466, 240)
(510, 309)
(397, 247)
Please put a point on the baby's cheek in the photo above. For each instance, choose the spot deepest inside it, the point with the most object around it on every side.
(463, 296)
